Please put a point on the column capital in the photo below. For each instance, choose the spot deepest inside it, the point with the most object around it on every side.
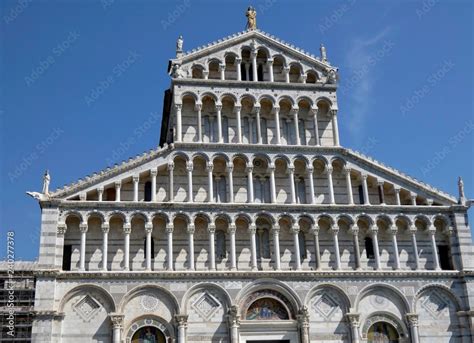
(252, 228)
(198, 106)
(257, 108)
(374, 229)
(429, 202)
(232, 228)
(233, 316)
(314, 110)
(211, 228)
(294, 110)
(269, 60)
(105, 227)
(221, 66)
(380, 182)
(329, 169)
(169, 228)
(238, 60)
(181, 320)
(118, 184)
(62, 228)
(354, 230)
(127, 228)
(153, 172)
(191, 229)
(83, 196)
(148, 227)
(83, 227)
(178, 107)
(413, 229)
(275, 109)
(412, 319)
(100, 189)
(315, 230)
(276, 229)
(135, 178)
(219, 106)
(354, 319)
(209, 166)
(286, 70)
(335, 229)
(170, 166)
(303, 317)
(295, 228)
(271, 167)
(364, 176)
(291, 168)
(189, 166)
(237, 108)
(394, 229)
(432, 229)
(116, 319)
(230, 167)
(249, 168)
(310, 169)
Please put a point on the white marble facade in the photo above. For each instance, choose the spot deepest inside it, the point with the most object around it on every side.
(251, 223)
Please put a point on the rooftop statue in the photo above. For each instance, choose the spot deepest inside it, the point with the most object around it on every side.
(251, 18)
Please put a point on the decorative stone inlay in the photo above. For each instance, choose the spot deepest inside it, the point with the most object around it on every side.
(353, 290)
(325, 305)
(149, 302)
(206, 305)
(233, 285)
(87, 308)
(435, 304)
(378, 301)
(410, 291)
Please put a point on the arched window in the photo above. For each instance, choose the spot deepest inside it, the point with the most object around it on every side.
(301, 191)
(263, 243)
(148, 191)
(263, 128)
(110, 194)
(152, 248)
(243, 73)
(221, 250)
(197, 72)
(302, 244)
(369, 248)
(382, 332)
(302, 131)
(267, 309)
(225, 129)
(260, 72)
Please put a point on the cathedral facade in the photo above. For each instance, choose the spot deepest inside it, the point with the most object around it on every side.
(250, 222)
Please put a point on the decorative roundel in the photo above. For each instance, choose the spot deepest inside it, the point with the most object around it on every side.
(149, 302)
(379, 300)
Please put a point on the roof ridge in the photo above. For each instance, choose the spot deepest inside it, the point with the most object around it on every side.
(409, 177)
(108, 171)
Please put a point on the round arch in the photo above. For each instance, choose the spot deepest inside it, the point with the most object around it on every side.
(150, 321)
(344, 297)
(138, 289)
(88, 289)
(205, 286)
(396, 292)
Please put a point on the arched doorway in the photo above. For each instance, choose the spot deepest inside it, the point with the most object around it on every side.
(383, 332)
(148, 334)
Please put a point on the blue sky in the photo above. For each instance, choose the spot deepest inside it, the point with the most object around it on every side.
(82, 84)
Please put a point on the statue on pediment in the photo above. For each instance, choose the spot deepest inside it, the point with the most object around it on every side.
(251, 18)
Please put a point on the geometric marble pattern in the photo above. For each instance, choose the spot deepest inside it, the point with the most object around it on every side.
(326, 305)
(87, 307)
(435, 304)
(149, 302)
(206, 305)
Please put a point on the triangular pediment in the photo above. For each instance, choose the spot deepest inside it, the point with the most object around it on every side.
(256, 40)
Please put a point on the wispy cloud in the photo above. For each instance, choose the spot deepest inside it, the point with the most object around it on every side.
(361, 61)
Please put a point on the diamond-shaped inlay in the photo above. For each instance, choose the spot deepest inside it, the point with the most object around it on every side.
(435, 304)
(325, 305)
(87, 307)
(206, 305)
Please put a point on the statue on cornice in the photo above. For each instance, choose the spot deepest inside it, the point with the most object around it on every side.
(462, 197)
(251, 18)
(332, 75)
(44, 195)
(324, 57)
(179, 43)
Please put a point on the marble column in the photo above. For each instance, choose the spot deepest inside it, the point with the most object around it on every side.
(412, 319)
(220, 137)
(381, 192)
(276, 246)
(222, 71)
(182, 321)
(233, 319)
(189, 169)
(294, 112)
(335, 127)
(295, 230)
(350, 196)
(396, 257)
(317, 140)
(317, 251)
(310, 172)
(335, 232)
(233, 258)
(355, 237)
(250, 198)
(415, 246)
(212, 246)
(171, 183)
(286, 71)
(413, 198)
(153, 174)
(117, 325)
(291, 173)
(239, 70)
(271, 169)
(247, 71)
(329, 170)
(230, 179)
(82, 261)
(303, 318)
(374, 232)
(365, 189)
(105, 244)
(253, 56)
(127, 229)
(190, 230)
(434, 248)
(169, 232)
(397, 195)
(118, 185)
(259, 124)
(277, 124)
(270, 69)
(237, 109)
(198, 108)
(135, 180)
(354, 321)
(210, 182)
(148, 257)
(100, 193)
(179, 129)
(253, 246)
